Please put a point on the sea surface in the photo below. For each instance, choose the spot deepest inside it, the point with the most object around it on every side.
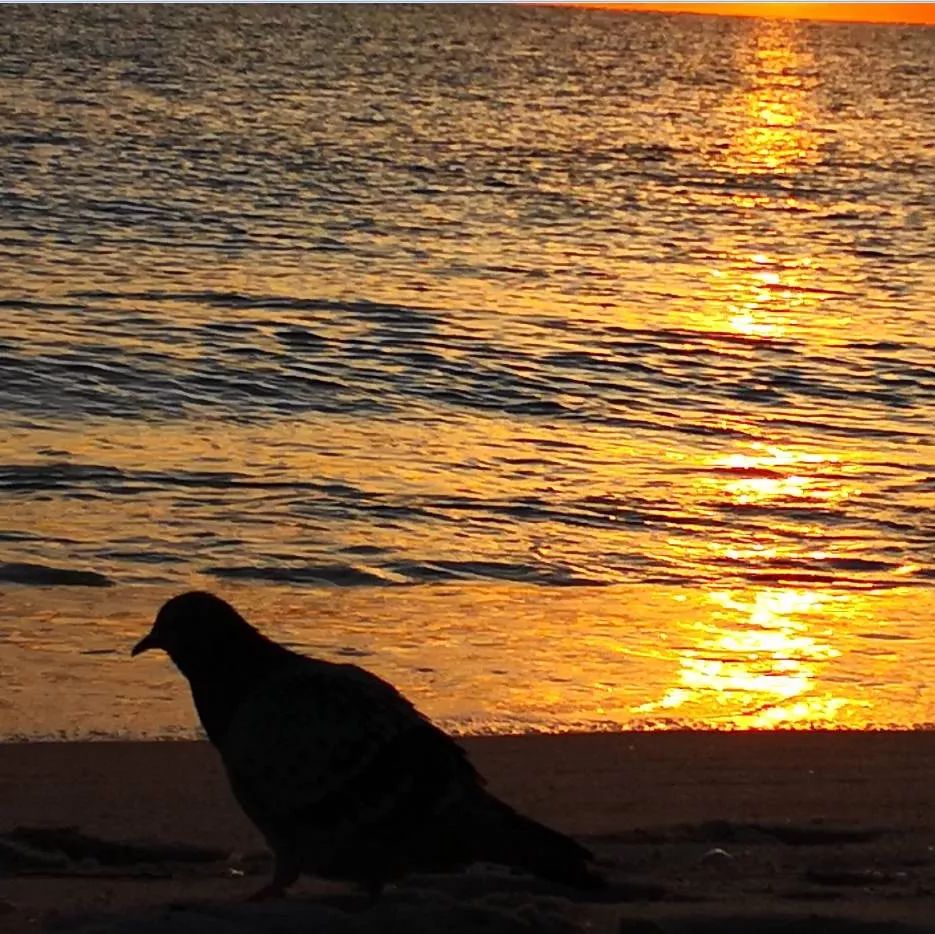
(572, 369)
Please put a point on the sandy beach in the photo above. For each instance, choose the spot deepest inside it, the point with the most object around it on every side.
(696, 831)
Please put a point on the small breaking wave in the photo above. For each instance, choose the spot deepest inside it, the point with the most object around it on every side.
(407, 573)
(340, 575)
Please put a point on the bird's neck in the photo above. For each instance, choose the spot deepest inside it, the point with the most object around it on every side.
(219, 689)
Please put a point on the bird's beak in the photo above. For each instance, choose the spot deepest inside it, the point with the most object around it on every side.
(146, 643)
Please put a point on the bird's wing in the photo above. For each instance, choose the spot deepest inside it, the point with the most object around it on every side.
(318, 735)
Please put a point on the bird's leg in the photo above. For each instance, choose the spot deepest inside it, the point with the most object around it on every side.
(285, 873)
(373, 888)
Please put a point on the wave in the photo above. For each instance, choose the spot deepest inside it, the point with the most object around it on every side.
(239, 300)
(42, 575)
(65, 475)
(341, 575)
(407, 573)
(493, 570)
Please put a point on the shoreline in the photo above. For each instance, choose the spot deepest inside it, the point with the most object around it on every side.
(693, 826)
(575, 658)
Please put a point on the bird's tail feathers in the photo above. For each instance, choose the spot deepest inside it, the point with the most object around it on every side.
(520, 842)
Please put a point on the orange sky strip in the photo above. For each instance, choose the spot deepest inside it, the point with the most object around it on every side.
(922, 13)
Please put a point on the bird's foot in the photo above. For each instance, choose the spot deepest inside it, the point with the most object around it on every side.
(284, 874)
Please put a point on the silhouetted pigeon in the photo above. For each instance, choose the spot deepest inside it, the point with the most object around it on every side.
(344, 777)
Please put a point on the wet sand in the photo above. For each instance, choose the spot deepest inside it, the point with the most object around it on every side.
(698, 832)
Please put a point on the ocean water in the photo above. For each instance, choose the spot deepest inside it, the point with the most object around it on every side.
(572, 369)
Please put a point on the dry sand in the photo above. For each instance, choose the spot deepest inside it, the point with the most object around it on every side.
(699, 832)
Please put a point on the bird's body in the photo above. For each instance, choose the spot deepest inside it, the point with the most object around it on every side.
(341, 774)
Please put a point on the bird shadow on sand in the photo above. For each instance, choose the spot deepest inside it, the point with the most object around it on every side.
(489, 899)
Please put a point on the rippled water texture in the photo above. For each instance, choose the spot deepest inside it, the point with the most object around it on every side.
(573, 369)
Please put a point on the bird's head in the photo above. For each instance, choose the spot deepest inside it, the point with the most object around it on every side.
(198, 631)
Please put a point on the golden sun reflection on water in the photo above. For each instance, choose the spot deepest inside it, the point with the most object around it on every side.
(787, 481)
(763, 297)
(771, 473)
(773, 135)
(761, 656)
(770, 130)
(756, 662)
